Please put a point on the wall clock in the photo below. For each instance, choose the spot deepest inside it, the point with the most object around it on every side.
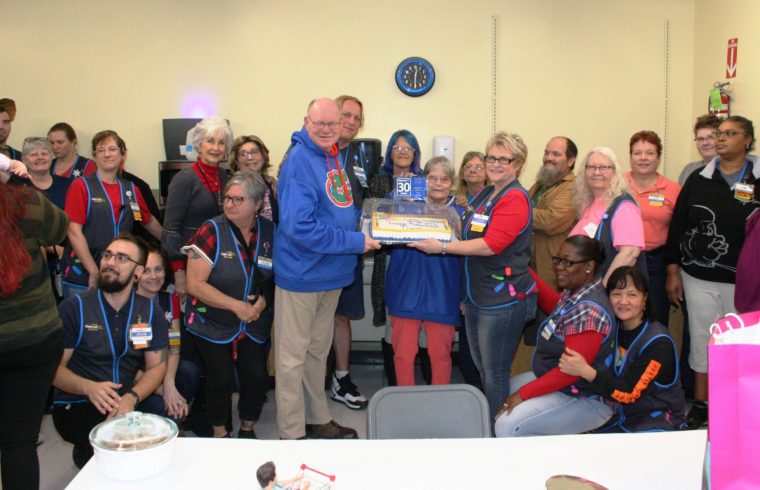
(415, 76)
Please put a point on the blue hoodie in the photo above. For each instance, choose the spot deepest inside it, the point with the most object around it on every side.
(316, 242)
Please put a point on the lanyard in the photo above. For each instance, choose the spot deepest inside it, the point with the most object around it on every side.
(339, 170)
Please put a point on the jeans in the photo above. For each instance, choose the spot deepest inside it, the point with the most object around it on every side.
(187, 380)
(25, 376)
(494, 336)
(551, 414)
(70, 290)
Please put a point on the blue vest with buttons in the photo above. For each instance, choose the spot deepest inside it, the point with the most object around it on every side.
(604, 234)
(548, 350)
(487, 283)
(103, 351)
(100, 228)
(661, 407)
(228, 275)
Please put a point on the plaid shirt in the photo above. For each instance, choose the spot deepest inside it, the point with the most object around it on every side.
(577, 318)
(204, 243)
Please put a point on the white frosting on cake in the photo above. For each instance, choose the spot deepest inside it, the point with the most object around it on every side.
(409, 227)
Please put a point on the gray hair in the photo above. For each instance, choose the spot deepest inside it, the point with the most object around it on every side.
(584, 196)
(34, 142)
(252, 183)
(448, 167)
(212, 126)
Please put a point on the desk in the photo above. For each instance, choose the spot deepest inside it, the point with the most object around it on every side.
(619, 461)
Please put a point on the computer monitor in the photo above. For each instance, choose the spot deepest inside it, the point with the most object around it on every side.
(176, 138)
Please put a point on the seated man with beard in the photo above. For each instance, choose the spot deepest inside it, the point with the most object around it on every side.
(109, 334)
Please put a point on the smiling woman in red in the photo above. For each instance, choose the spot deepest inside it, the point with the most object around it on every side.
(195, 193)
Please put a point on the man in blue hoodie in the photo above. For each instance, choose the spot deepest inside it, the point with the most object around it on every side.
(315, 253)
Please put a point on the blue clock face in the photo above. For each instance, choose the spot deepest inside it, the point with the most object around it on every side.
(415, 76)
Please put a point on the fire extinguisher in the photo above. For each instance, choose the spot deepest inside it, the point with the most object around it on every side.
(719, 101)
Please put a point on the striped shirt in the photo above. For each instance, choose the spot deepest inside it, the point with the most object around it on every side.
(29, 315)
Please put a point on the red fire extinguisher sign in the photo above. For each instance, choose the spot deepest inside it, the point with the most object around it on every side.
(731, 56)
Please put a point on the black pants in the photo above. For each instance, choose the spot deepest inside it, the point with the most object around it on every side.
(74, 423)
(220, 378)
(25, 376)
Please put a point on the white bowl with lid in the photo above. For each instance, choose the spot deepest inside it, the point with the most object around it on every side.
(133, 446)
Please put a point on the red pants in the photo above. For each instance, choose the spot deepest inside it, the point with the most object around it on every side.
(405, 337)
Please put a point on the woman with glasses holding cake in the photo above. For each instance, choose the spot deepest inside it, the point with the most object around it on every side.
(424, 290)
(499, 293)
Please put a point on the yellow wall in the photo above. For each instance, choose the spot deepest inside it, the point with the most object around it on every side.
(593, 69)
(715, 23)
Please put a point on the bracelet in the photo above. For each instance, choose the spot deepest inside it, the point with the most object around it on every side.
(443, 250)
(134, 394)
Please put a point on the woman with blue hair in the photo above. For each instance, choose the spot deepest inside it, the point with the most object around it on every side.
(402, 159)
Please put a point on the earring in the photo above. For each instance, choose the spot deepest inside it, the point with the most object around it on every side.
(588, 271)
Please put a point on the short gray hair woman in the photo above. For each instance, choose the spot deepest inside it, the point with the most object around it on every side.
(448, 167)
(34, 142)
(230, 304)
(252, 183)
(212, 126)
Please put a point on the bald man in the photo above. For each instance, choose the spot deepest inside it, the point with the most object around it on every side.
(315, 254)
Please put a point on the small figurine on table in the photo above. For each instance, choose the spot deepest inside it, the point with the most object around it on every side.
(267, 476)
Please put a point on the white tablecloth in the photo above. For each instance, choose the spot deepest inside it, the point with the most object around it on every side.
(617, 461)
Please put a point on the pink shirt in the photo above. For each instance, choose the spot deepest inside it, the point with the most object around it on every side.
(627, 227)
(656, 204)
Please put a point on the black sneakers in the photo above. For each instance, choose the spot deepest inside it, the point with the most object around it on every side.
(697, 416)
(344, 391)
(330, 430)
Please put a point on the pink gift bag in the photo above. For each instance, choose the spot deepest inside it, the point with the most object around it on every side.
(734, 398)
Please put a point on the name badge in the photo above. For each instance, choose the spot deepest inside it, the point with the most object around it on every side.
(140, 334)
(264, 263)
(360, 174)
(135, 210)
(414, 188)
(590, 229)
(479, 222)
(744, 192)
(174, 340)
(656, 200)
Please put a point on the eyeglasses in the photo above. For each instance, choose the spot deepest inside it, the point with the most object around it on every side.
(443, 180)
(601, 168)
(323, 124)
(236, 200)
(111, 149)
(246, 154)
(402, 149)
(729, 134)
(476, 167)
(567, 263)
(504, 161)
(120, 258)
(705, 139)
